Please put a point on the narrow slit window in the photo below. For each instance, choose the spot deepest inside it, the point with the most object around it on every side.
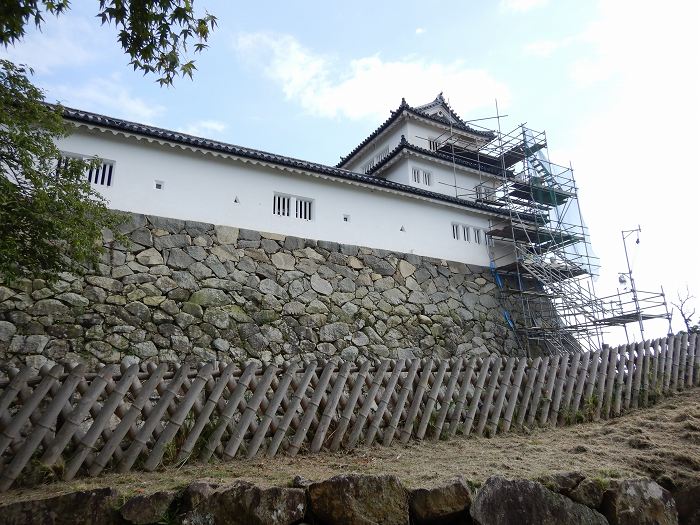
(416, 175)
(61, 165)
(303, 209)
(470, 234)
(101, 175)
(280, 205)
(291, 206)
(422, 177)
(382, 155)
(466, 233)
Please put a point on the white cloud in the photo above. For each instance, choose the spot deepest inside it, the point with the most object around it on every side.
(109, 96)
(205, 128)
(62, 43)
(420, 30)
(654, 42)
(521, 6)
(542, 48)
(366, 86)
(631, 151)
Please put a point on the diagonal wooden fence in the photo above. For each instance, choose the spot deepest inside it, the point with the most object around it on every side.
(75, 422)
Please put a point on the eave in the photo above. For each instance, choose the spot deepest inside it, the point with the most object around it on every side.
(405, 110)
(253, 156)
(479, 168)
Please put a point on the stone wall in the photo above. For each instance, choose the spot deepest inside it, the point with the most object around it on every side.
(185, 289)
(356, 499)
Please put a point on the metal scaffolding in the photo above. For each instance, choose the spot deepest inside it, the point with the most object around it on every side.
(541, 256)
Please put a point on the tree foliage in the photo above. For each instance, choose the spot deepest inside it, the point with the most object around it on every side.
(155, 34)
(50, 218)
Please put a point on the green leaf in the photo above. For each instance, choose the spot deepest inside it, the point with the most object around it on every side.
(50, 219)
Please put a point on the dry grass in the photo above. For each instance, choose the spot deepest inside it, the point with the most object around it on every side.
(655, 442)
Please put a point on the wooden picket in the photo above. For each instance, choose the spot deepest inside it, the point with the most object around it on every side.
(145, 417)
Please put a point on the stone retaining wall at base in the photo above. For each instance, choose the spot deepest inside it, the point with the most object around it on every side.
(361, 499)
(190, 290)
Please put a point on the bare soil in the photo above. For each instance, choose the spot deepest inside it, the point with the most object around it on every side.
(662, 442)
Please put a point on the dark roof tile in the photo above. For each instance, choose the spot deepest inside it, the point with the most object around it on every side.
(405, 107)
(86, 117)
(404, 144)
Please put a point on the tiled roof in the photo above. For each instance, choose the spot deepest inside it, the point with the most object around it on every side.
(404, 107)
(440, 101)
(86, 117)
(405, 145)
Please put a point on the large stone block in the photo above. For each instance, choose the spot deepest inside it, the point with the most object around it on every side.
(513, 502)
(226, 234)
(441, 505)
(89, 507)
(355, 499)
(242, 503)
(639, 502)
(150, 257)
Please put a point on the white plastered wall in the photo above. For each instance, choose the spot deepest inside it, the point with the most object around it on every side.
(445, 177)
(390, 139)
(202, 187)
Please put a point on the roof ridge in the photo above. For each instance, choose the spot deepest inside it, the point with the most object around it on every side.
(394, 114)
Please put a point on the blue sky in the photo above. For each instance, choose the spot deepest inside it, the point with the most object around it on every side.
(614, 83)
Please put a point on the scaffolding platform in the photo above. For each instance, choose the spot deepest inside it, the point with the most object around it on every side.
(550, 290)
(544, 238)
(519, 153)
(627, 318)
(557, 273)
(547, 196)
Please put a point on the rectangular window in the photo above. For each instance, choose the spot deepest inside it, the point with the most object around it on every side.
(292, 206)
(466, 233)
(485, 193)
(303, 209)
(434, 144)
(470, 234)
(158, 184)
(102, 175)
(416, 175)
(422, 177)
(382, 155)
(280, 205)
(62, 164)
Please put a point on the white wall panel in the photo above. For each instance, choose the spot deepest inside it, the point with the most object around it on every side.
(202, 187)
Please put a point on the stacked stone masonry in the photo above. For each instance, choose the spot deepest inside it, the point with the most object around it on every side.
(190, 290)
(355, 499)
